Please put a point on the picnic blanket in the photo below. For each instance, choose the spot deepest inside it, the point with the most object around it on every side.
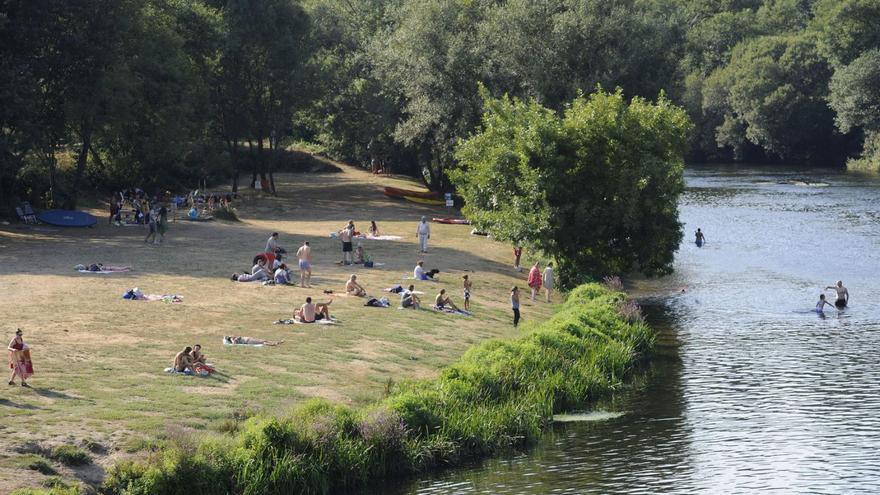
(202, 373)
(381, 237)
(291, 321)
(136, 295)
(410, 277)
(451, 311)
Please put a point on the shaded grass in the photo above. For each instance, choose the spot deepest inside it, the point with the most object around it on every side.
(501, 394)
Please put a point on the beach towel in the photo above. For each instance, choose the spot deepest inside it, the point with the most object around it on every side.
(451, 311)
(382, 237)
(136, 295)
(172, 371)
(104, 271)
(226, 342)
(410, 277)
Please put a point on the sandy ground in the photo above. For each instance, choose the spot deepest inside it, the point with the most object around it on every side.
(99, 358)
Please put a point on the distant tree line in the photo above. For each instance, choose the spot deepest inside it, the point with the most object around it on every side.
(161, 93)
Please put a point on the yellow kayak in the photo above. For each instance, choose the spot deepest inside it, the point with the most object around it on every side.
(425, 201)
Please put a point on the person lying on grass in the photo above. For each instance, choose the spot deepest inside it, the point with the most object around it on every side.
(408, 299)
(442, 301)
(352, 288)
(237, 339)
(312, 312)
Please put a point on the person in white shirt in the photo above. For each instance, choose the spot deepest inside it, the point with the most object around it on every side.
(423, 231)
(548, 280)
(272, 243)
(419, 271)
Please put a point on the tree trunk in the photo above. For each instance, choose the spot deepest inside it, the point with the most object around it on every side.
(81, 160)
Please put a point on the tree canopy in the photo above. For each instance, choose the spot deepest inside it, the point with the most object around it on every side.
(594, 186)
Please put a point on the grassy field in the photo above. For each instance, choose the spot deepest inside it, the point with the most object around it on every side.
(98, 358)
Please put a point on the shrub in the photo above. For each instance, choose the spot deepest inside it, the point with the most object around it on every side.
(70, 455)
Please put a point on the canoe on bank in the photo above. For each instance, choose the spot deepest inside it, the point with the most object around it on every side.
(403, 193)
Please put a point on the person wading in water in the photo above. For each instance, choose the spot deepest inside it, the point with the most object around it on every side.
(842, 294)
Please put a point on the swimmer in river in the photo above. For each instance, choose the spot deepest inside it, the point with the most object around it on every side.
(820, 306)
(700, 238)
(842, 294)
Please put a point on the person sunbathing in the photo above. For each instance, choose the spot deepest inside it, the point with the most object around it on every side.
(408, 299)
(282, 275)
(247, 277)
(183, 361)
(312, 312)
(442, 301)
(353, 288)
(198, 360)
(237, 339)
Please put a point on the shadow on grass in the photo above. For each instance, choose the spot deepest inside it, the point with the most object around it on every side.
(52, 394)
(16, 405)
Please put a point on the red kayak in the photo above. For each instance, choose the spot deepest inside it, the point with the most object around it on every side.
(395, 192)
(454, 221)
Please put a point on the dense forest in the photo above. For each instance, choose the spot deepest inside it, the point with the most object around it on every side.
(104, 94)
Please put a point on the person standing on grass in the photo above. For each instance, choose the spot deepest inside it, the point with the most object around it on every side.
(20, 359)
(304, 253)
(154, 227)
(162, 224)
(345, 235)
(514, 304)
(423, 231)
(548, 280)
(517, 254)
(534, 280)
(272, 243)
(466, 286)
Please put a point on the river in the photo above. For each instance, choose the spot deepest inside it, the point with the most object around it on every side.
(750, 391)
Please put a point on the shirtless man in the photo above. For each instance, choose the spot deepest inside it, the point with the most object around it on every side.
(699, 238)
(345, 235)
(442, 301)
(353, 288)
(304, 253)
(183, 361)
(310, 312)
(842, 294)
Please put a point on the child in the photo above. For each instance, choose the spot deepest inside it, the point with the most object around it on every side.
(820, 306)
(466, 285)
(517, 253)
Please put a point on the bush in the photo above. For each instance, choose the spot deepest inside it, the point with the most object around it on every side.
(499, 395)
(70, 455)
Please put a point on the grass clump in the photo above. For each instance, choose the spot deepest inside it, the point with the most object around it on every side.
(500, 394)
(70, 455)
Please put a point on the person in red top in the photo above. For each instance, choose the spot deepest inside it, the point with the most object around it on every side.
(269, 258)
(535, 280)
(20, 360)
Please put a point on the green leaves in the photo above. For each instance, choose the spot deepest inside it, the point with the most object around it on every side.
(595, 188)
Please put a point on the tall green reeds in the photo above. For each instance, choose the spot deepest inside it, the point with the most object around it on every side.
(500, 394)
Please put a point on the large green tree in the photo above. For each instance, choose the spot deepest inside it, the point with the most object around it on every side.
(595, 187)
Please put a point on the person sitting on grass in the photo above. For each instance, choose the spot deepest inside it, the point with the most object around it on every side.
(359, 254)
(198, 360)
(353, 288)
(282, 275)
(408, 299)
(183, 361)
(239, 340)
(260, 269)
(374, 229)
(419, 272)
(442, 301)
(310, 312)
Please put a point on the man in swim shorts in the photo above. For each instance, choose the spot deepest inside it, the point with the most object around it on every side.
(304, 253)
(345, 235)
(700, 238)
(842, 295)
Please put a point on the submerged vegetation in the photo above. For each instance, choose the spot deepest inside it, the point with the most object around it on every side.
(501, 394)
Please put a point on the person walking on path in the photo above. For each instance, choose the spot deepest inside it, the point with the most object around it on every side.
(842, 295)
(20, 360)
(423, 231)
(548, 280)
(162, 224)
(304, 253)
(514, 304)
(345, 235)
(534, 280)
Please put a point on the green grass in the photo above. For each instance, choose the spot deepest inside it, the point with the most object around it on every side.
(70, 455)
(500, 394)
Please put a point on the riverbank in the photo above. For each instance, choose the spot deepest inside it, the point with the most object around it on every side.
(99, 384)
(500, 394)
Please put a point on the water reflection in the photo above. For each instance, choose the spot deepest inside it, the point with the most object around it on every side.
(751, 391)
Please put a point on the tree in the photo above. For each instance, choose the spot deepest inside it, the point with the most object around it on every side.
(596, 187)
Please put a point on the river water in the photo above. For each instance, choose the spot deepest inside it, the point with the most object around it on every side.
(750, 391)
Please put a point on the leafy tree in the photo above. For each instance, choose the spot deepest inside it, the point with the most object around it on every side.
(846, 28)
(595, 187)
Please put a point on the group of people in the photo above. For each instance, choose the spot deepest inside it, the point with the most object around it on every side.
(538, 279)
(191, 361)
(347, 234)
